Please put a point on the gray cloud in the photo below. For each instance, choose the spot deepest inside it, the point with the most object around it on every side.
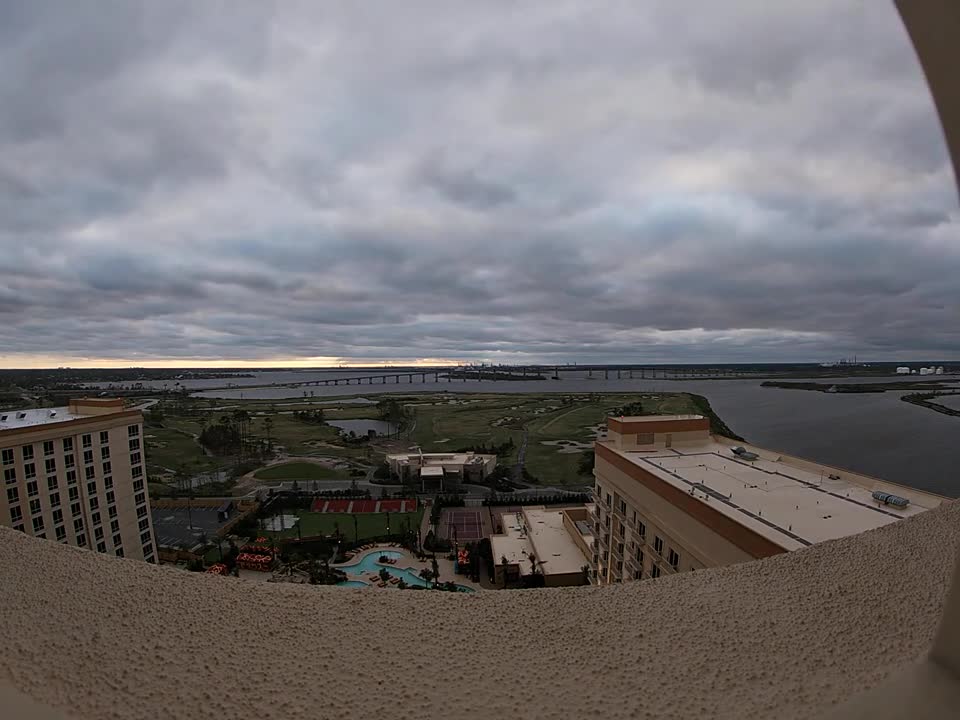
(471, 181)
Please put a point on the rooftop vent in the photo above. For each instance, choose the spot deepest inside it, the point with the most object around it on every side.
(53, 413)
(3, 418)
(21, 415)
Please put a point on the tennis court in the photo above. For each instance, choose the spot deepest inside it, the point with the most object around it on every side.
(462, 523)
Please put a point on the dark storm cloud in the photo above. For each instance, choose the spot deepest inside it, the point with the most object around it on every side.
(557, 182)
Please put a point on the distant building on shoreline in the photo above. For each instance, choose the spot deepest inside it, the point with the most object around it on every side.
(441, 471)
(671, 497)
(76, 475)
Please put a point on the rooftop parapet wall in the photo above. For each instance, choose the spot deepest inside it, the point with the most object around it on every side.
(784, 637)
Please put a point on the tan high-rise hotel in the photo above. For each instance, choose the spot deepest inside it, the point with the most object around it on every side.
(671, 497)
(76, 475)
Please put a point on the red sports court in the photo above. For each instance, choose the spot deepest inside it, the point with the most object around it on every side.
(466, 522)
(363, 506)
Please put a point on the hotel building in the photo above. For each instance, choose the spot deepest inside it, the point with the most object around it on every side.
(670, 497)
(76, 475)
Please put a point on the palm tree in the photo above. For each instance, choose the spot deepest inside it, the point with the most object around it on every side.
(533, 564)
(356, 528)
(435, 569)
(268, 428)
(426, 575)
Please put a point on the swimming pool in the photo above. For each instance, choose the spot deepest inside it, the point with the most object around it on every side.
(369, 564)
(352, 583)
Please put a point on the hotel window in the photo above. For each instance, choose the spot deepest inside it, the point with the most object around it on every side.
(68, 445)
(33, 489)
(115, 527)
(654, 572)
(644, 438)
(134, 444)
(145, 541)
(620, 529)
(13, 495)
(90, 472)
(29, 471)
(75, 509)
(106, 467)
(10, 475)
(135, 458)
(674, 558)
(95, 518)
(52, 483)
(61, 533)
(94, 502)
(74, 493)
(19, 528)
(57, 517)
(87, 457)
(143, 524)
(620, 549)
(141, 511)
(68, 461)
(119, 552)
(34, 507)
(50, 465)
(638, 574)
(133, 430)
(78, 525)
(608, 498)
(640, 558)
(117, 540)
(98, 533)
(104, 437)
(48, 447)
(101, 547)
(112, 511)
(658, 544)
(71, 477)
(8, 456)
(27, 452)
(105, 452)
(623, 507)
(619, 568)
(87, 440)
(136, 471)
(55, 500)
(108, 481)
(140, 498)
(137, 485)
(81, 540)
(16, 514)
(111, 498)
(38, 524)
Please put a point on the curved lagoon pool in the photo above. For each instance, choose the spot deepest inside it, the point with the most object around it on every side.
(369, 565)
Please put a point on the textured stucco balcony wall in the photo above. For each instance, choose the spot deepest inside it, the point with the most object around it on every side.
(789, 636)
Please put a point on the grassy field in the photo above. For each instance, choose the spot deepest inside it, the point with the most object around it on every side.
(443, 425)
(440, 422)
(368, 524)
(299, 471)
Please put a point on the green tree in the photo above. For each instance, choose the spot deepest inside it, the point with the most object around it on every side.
(435, 569)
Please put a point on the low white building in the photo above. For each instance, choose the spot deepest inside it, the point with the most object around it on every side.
(442, 470)
(903, 370)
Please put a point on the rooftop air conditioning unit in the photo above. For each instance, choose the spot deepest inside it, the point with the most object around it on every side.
(53, 413)
(21, 415)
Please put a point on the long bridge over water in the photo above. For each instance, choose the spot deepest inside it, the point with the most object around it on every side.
(510, 373)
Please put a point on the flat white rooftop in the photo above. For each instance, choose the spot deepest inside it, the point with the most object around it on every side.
(12, 419)
(513, 544)
(791, 504)
(552, 544)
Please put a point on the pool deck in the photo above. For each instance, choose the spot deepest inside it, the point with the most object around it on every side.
(409, 562)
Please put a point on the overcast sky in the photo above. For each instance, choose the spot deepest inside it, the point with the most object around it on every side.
(499, 181)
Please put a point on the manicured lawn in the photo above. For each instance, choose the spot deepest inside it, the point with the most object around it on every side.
(368, 524)
(299, 471)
